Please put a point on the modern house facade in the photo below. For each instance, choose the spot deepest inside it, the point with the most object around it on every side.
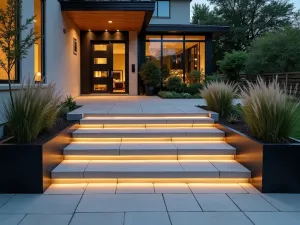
(97, 46)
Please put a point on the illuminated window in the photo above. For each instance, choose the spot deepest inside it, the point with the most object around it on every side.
(38, 46)
(100, 60)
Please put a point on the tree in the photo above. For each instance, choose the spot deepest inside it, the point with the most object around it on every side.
(296, 20)
(249, 19)
(14, 48)
(202, 15)
(275, 52)
(233, 64)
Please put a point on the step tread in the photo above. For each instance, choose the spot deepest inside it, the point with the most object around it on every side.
(162, 148)
(146, 120)
(150, 169)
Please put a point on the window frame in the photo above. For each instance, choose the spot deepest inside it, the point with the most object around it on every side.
(157, 9)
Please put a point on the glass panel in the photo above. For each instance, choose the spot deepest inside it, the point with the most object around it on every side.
(155, 10)
(153, 38)
(118, 72)
(38, 45)
(163, 8)
(173, 57)
(100, 74)
(153, 52)
(100, 87)
(202, 57)
(3, 74)
(173, 37)
(100, 60)
(192, 58)
(195, 38)
(100, 47)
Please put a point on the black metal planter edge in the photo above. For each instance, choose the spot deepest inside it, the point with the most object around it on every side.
(26, 168)
(275, 168)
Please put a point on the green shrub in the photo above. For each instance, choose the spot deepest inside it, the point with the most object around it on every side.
(69, 103)
(151, 74)
(193, 88)
(233, 64)
(213, 78)
(195, 76)
(269, 110)
(165, 72)
(35, 109)
(174, 83)
(219, 97)
(176, 94)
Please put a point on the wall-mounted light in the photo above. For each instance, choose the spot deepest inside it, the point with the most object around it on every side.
(110, 21)
(38, 76)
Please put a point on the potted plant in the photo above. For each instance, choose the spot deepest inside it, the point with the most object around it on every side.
(151, 75)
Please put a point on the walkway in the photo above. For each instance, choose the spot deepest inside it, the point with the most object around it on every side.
(156, 204)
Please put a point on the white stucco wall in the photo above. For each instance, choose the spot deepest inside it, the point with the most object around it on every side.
(62, 66)
(133, 59)
(179, 13)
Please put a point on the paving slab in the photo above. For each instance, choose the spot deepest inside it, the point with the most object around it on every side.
(70, 169)
(284, 202)
(98, 218)
(231, 169)
(122, 203)
(175, 188)
(214, 188)
(181, 203)
(101, 188)
(11, 219)
(4, 198)
(191, 148)
(92, 149)
(251, 202)
(147, 218)
(209, 218)
(249, 188)
(66, 189)
(133, 188)
(47, 204)
(53, 219)
(216, 203)
(274, 218)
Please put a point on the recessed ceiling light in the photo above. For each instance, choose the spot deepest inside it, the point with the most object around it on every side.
(110, 21)
(89, 30)
(105, 30)
(118, 30)
(35, 21)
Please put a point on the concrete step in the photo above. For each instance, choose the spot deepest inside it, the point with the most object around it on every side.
(155, 114)
(149, 150)
(146, 120)
(205, 132)
(74, 171)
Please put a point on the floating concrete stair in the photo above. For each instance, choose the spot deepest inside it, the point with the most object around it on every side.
(153, 132)
(150, 169)
(158, 148)
(146, 120)
(154, 150)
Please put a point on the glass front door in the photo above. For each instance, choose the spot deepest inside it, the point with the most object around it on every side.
(108, 68)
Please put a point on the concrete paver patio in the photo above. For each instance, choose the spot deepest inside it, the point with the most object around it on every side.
(150, 204)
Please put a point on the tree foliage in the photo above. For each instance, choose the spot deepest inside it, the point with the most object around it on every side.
(275, 52)
(233, 64)
(13, 47)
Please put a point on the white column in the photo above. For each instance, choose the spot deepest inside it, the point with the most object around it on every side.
(133, 59)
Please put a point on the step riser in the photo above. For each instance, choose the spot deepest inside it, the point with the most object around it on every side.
(147, 135)
(130, 126)
(143, 122)
(156, 180)
(148, 157)
(146, 139)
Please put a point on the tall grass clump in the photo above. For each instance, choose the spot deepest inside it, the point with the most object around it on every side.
(270, 111)
(35, 109)
(219, 96)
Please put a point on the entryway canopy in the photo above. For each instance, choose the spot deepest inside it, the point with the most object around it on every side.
(125, 15)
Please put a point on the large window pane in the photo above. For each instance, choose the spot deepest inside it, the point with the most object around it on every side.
(202, 57)
(195, 38)
(173, 57)
(118, 74)
(163, 8)
(153, 52)
(153, 37)
(38, 49)
(3, 74)
(173, 37)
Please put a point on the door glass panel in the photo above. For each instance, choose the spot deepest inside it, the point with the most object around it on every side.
(173, 58)
(100, 73)
(118, 72)
(100, 47)
(100, 87)
(100, 60)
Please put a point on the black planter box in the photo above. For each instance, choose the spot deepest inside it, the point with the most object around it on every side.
(27, 168)
(275, 168)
